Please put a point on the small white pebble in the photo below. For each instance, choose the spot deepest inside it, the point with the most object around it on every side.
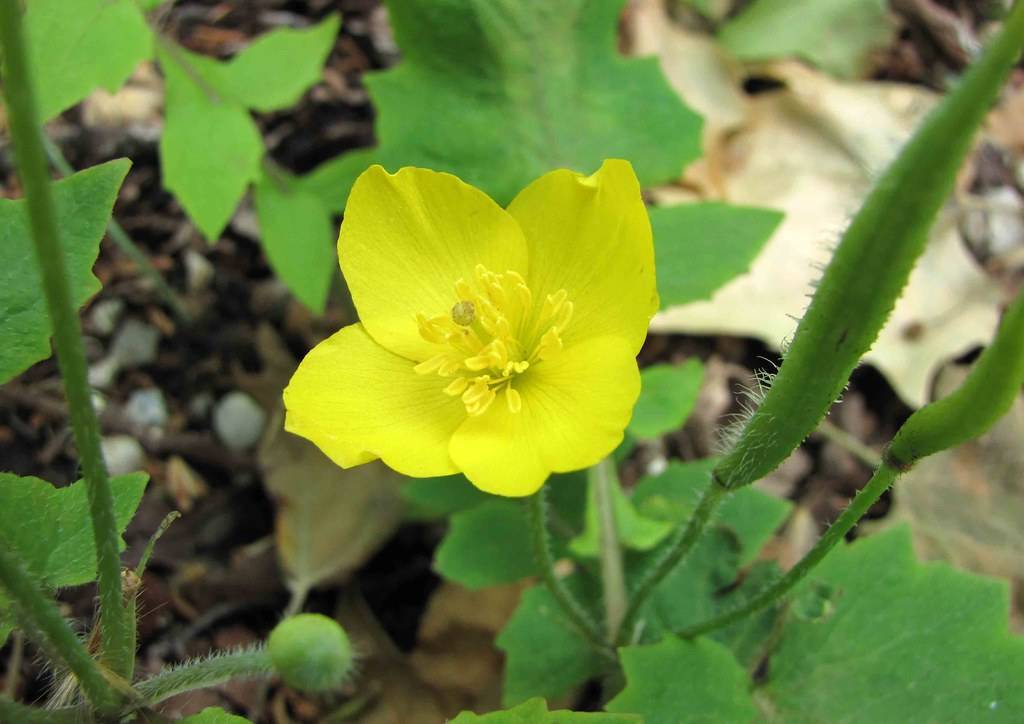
(123, 454)
(238, 420)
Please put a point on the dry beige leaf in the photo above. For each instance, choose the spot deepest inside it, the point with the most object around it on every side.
(812, 151)
(456, 654)
(697, 69)
(329, 520)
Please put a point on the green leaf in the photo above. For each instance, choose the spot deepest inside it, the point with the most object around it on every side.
(836, 35)
(83, 205)
(535, 711)
(677, 681)
(500, 92)
(672, 495)
(50, 529)
(667, 395)
(694, 590)
(279, 66)
(430, 498)
(210, 149)
(487, 545)
(900, 641)
(73, 51)
(635, 531)
(544, 656)
(214, 715)
(297, 234)
(699, 247)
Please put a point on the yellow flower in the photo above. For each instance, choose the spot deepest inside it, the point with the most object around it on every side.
(497, 343)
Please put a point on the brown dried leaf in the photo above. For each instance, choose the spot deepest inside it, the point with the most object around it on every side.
(812, 150)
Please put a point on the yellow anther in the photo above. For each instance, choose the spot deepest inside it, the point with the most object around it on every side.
(550, 344)
(463, 290)
(553, 303)
(513, 399)
(431, 365)
(457, 386)
(449, 367)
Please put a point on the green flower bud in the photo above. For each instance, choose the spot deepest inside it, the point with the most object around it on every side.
(311, 652)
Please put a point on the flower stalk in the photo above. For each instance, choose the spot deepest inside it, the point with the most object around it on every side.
(115, 623)
(537, 514)
(243, 663)
(681, 543)
(613, 578)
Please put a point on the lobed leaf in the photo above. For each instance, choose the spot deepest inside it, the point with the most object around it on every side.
(499, 92)
(486, 546)
(667, 396)
(535, 711)
(677, 681)
(917, 643)
(838, 36)
(699, 247)
(73, 51)
(278, 67)
(210, 150)
(50, 529)
(83, 204)
(544, 654)
(297, 232)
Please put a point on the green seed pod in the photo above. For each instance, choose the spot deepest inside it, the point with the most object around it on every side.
(986, 395)
(311, 652)
(869, 268)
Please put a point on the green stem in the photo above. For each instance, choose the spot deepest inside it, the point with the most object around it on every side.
(125, 243)
(38, 614)
(682, 542)
(868, 496)
(12, 711)
(991, 387)
(536, 514)
(870, 267)
(613, 578)
(851, 444)
(244, 663)
(32, 170)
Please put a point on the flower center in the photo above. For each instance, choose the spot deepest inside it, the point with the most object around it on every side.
(493, 333)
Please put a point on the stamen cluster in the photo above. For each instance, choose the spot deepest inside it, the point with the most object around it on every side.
(493, 334)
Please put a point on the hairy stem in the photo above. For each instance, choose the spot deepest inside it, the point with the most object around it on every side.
(870, 268)
(244, 663)
(681, 543)
(986, 395)
(125, 243)
(613, 578)
(12, 711)
(38, 615)
(25, 132)
(537, 513)
(868, 496)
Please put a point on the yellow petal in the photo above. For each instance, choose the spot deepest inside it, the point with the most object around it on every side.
(573, 411)
(357, 402)
(405, 241)
(590, 235)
